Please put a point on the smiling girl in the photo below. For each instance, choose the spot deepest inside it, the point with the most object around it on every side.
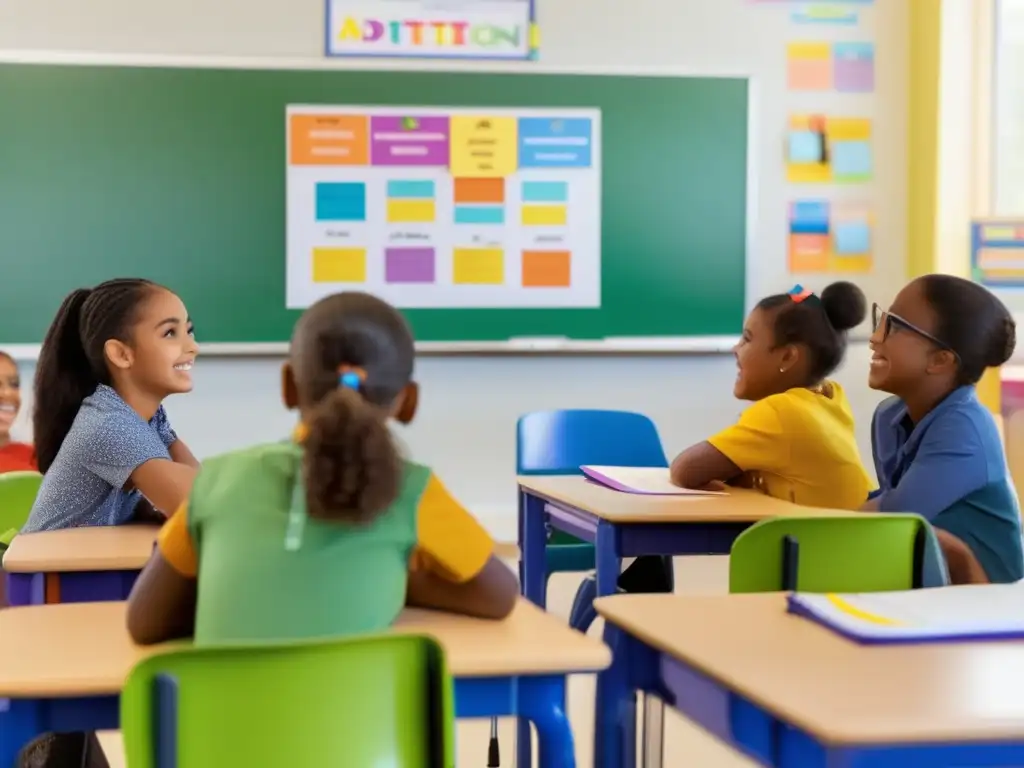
(111, 356)
(796, 441)
(937, 449)
(14, 457)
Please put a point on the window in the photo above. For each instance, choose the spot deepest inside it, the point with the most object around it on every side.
(1008, 110)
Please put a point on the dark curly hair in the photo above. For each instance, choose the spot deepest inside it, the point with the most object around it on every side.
(353, 469)
(820, 324)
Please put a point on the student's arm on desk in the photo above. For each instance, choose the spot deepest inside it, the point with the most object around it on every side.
(454, 567)
(165, 483)
(162, 604)
(702, 465)
(757, 442)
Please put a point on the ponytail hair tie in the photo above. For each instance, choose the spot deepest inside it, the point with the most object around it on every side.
(798, 294)
(351, 377)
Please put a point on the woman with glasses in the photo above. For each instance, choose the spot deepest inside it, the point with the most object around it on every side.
(937, 449)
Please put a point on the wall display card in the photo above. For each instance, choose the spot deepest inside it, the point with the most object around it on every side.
(455, 29)
(824, 13)
(826, 236)
(822, 150)
(997, 252)
(438, 207)
(843, 67)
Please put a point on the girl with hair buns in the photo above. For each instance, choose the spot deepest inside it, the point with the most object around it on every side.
(332, 532)
(937, 449)
(796, 441)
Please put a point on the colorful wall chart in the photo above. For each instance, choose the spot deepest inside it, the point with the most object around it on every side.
(445, 207)
(822, 149)
(826, 236)
(844, 67)
(997, 252)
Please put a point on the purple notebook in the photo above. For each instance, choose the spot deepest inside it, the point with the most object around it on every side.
(645, 481)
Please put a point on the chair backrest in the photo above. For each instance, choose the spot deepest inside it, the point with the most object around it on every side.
(859, 553)
(367, 701)
(17, 495)
(558, 442)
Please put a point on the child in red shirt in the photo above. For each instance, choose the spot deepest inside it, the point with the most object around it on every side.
(14, 456)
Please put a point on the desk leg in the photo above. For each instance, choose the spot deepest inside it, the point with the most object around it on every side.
(20, 722)
(542, 702)
(533, 540)
(652, 738)
(607, 560)
(533, 548)
(615, 713)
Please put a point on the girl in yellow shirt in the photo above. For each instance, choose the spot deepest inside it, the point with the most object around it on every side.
(796, 441)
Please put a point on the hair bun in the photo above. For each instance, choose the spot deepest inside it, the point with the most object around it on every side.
(844, 305)
(1003, 344)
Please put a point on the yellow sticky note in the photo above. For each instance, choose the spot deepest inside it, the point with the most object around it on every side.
(544, 215)
(339, 265)
(483, 147)
(411, 211)
(478, 266)
(847, 129)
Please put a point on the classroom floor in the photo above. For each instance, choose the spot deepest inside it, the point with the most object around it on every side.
(683, 741)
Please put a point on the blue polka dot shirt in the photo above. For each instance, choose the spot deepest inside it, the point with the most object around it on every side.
(86, 483)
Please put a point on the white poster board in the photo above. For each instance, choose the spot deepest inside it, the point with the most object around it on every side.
(438, 207)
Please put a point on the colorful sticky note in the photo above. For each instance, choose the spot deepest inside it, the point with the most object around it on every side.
(854, 67)
(809, 66)
(852, 238)
(804, 147)
(808, 217)
(851, 160)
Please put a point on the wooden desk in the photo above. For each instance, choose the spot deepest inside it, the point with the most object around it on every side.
(78, 564)
(623, 525)
(81, 653)
(771, 683)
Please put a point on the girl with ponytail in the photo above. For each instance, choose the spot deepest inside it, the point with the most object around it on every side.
(102, 438)
(332, 532)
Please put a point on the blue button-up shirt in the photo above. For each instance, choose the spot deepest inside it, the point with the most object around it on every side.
(951, 469)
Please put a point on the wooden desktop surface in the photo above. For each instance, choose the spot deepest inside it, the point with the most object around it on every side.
(739, 506)
(96, 548)
(82, 649)
(838, 690)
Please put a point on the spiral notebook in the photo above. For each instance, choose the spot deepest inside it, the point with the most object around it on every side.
(649, 481)
(944, 614)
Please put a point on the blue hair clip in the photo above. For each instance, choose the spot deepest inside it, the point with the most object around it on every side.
(351, 377)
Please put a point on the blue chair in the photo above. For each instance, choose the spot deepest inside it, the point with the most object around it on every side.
(557, 443)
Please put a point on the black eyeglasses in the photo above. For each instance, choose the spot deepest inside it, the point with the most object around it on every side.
(886, 320)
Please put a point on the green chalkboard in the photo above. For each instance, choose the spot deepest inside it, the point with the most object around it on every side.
(179, 175)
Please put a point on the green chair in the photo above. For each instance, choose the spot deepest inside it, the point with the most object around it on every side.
(17, 494)
(362, 701)
(858, 553)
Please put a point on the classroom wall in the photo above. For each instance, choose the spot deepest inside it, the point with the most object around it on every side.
(470, 405)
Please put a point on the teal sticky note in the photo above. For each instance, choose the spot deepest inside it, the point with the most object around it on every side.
(804, 147)
(851, 159)
(852, 238)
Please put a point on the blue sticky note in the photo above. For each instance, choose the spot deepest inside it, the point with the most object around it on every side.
(809, 217)
(851, 159)
(804, 147)
(852, 238)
